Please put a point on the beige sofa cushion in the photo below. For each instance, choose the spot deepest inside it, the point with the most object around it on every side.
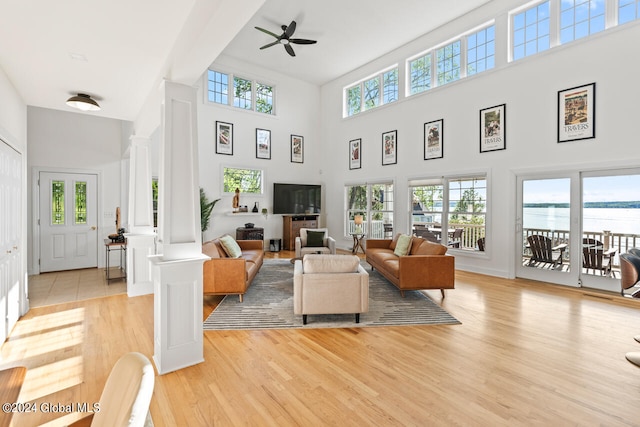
(318, 263)
(403, 245)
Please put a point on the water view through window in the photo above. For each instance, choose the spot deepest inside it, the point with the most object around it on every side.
(610, 212)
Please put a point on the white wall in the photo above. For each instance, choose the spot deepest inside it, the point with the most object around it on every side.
(529, 89)
(297, 112)
(60, 140)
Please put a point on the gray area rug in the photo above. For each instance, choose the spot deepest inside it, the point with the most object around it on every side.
(268, 304)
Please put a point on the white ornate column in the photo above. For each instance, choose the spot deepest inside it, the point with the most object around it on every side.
(140, 239)
(177, 271)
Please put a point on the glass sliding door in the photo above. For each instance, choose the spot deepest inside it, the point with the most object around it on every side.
(610, 220)
(573, 227)
(544, 237)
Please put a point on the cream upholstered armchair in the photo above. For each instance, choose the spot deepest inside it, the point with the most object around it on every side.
(330, 284)
(314, 241)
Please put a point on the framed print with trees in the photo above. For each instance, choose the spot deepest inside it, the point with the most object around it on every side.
(577, 113)
(263, 144)
(297, 149)
(390, 147)
(355, 153)
(493, 128)
(433, 139)
(224, 138)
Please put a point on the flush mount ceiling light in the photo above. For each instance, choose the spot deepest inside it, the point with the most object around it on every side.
(83, 102)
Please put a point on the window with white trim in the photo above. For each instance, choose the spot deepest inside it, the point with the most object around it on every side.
(375, 204)
(264, 98)
(481, 50)
(372, 92)
(448, 63)
(580, 18)
(218, 84)
(247, 94)
(531, 31)
(444, 206)
(628, 10)
(420, 74)
(248, 181)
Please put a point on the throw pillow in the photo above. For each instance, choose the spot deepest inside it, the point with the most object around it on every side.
(403, 245)
(315, 239)
(230, 246)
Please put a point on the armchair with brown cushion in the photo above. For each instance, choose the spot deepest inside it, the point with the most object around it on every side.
(314, 241)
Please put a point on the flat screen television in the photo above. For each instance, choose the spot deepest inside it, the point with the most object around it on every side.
(296, 198)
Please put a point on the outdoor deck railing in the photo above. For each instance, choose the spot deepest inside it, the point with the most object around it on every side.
(621, 241)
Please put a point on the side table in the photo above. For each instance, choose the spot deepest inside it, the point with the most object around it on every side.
(357, 242)
(116, 246)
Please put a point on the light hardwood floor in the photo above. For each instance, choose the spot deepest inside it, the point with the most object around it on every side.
(526, 353)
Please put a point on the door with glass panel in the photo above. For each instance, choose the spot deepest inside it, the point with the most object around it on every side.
(610, 220)
(544, 245)
(68, 221)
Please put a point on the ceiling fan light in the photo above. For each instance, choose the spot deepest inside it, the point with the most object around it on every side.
(83, 102)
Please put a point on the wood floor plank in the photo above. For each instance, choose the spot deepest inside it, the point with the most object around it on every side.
(526, 353)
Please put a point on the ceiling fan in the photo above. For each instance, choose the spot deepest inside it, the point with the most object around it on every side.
(285, 38)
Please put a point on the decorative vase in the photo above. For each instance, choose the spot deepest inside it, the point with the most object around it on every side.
(255, 207)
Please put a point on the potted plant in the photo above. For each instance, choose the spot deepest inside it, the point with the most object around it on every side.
(206, 207)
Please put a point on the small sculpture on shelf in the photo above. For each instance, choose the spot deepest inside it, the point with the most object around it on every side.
(119, 236)
(236, 201)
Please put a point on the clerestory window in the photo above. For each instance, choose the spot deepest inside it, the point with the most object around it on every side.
(372, 92)
(245, 94)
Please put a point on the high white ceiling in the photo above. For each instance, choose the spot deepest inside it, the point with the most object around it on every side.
(118, 50)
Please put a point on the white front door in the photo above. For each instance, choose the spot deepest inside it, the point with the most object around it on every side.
(68, 221)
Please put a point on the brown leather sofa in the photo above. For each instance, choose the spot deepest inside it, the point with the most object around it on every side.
(426, 266)
(229, 276)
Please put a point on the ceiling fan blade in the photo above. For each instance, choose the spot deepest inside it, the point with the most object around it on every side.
(268, 32)
(269, 45)
(302, 41)
(290, 29)
(289, 49)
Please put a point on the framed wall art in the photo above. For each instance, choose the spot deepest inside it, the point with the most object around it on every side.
(224, 138)
(297, 149)
(263, 144)
(433, 139)
(577, 113)
(493, 128)
(390, 147)
(355, 154)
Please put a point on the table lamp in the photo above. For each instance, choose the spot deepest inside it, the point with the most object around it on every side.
(358, 221)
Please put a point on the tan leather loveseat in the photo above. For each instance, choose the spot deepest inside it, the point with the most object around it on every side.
(224, 275)
(426, 266)
(330, 284)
